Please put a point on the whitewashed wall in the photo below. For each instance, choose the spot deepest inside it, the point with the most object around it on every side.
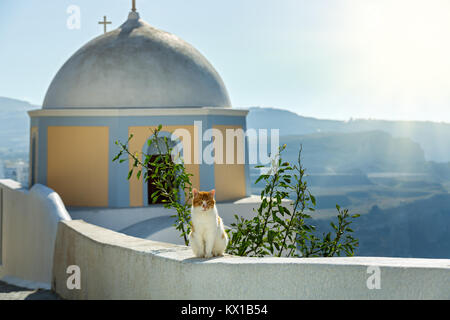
(29, 225)
(118, 219)
(155, 222)
(115, 266)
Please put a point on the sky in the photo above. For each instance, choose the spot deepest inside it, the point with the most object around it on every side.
(332, 59)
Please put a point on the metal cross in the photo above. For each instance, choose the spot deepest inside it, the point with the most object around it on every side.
(104, 23)
(134, 6)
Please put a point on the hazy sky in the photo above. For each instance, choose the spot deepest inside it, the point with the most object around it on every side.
(334, 59)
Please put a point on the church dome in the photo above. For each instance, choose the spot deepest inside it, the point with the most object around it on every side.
(136, 66)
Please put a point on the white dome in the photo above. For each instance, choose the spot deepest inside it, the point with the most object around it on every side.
(136, 66)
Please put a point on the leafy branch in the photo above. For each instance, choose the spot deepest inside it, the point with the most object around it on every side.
(168, 175)
(281, 225)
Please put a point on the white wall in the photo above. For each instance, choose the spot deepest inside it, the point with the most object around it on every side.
(155, 222)
(245, 207)
(29, 224)
(118, 218)
(116, 266)
(121, 218)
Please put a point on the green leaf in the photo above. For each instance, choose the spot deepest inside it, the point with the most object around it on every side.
(271, 236)
(313, 199)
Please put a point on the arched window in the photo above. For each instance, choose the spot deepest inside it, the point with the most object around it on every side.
(153, 152)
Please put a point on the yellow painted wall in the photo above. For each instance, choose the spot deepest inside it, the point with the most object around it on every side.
(140, 138)
(230, 182)
(77, 165)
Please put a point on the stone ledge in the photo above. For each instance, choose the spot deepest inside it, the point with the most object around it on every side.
(116, 266)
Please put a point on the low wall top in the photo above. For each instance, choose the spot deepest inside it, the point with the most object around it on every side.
(156, 270)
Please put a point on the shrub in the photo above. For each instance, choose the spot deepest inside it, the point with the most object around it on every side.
(282, 223)
(172, 183)
(281, 229)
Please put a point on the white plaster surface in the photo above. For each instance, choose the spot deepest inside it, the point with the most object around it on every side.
(119, 218)
(155, 222)
(136, 66)
(29, 224)
(116, 266)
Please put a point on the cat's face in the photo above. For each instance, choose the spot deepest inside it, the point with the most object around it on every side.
(203, 200)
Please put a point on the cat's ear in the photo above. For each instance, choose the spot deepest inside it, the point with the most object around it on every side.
(213, 192)
(195, 192)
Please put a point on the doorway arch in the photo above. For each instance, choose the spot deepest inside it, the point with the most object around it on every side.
(152, 151)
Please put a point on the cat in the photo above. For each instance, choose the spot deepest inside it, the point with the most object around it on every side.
(208, 237)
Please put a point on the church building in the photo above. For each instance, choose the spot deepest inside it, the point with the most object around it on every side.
(129, 81)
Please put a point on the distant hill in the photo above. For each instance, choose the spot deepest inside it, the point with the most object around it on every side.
(15, 106)
(14, 124)
(433, 137)
(420, 229)
(362, 152)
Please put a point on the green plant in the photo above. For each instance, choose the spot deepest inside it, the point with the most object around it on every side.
(169, 176)
(280, 226)
(281, 229)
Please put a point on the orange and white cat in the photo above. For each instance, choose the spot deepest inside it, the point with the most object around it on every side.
(208, 237)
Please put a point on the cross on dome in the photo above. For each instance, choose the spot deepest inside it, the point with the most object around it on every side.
(104, 23)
